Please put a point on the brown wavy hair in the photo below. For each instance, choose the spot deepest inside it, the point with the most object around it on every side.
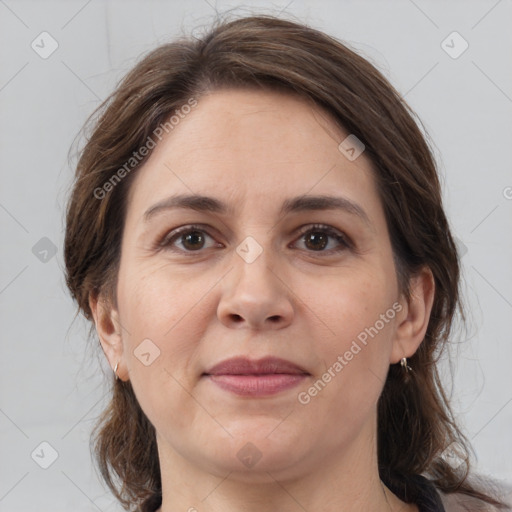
(415, 423)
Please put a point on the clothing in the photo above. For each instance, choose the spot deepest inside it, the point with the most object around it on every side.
(427, 498)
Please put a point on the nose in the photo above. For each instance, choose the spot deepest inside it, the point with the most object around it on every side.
(255, 296)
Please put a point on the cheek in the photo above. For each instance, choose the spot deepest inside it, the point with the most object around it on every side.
(161, 318)
(158, 299)
(360, 321)
(355, 301)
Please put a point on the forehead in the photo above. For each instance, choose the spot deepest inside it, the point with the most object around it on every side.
(246, 145)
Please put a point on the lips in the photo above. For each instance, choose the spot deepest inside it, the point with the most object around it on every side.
(263, 377)
(265, 366)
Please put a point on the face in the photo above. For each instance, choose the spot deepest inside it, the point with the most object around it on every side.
(261, 269)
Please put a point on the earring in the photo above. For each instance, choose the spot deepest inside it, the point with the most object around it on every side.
(405, 366)
(115, 370)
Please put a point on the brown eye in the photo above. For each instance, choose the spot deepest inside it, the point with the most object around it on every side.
(320, 237)
(316, 240)
(193, 240)
(188, 239)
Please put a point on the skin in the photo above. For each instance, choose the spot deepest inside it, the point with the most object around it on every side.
(252, 150)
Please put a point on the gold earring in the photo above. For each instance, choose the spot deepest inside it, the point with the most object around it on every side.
(405, 366)
(115, 370)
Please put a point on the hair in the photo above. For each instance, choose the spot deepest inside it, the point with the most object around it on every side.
(415, 422)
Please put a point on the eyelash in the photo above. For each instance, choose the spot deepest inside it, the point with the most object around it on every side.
(167, 240)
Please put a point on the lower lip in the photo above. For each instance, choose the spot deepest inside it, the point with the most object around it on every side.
(257, 385)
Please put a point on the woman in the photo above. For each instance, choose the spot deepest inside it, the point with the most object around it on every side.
(257, 232)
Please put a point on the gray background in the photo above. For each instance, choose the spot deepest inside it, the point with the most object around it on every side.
(53, 385)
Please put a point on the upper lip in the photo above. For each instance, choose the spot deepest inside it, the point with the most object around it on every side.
(246, 366)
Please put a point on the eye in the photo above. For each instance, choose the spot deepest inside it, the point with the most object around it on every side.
(188, 238)
(319, 237)
(316, 238)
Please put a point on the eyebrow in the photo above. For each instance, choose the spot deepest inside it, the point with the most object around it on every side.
(297, 204)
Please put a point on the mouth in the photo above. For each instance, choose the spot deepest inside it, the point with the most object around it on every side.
(263, 377)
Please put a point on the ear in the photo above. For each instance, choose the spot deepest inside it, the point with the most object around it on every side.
(412, 322)
(108, 328)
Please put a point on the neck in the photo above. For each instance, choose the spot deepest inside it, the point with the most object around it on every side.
(347, 481)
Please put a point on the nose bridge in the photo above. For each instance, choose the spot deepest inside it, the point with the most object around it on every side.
(255, 262)
(254, 274)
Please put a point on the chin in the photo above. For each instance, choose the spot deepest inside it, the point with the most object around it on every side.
(252, 465)
(258, 448)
